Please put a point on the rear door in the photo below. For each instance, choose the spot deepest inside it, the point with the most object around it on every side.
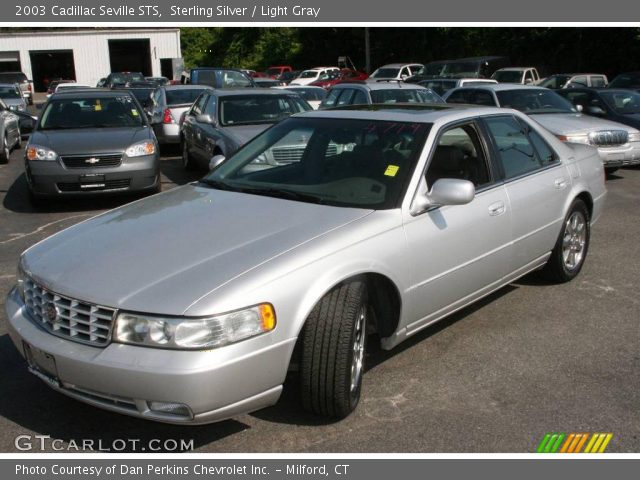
(192, 130)
(537, 184)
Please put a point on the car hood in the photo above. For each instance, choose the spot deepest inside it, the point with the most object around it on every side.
(90, 140)
(161, 254)
(575, 123)
(14, 101)
(244, 133)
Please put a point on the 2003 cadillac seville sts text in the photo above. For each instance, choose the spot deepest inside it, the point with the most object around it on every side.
(327, 230)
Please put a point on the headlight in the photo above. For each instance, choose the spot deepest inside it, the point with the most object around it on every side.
(575, 139)
(194, 333)
(36, 152)
(22, 278)
(634, 137)
(142, 148)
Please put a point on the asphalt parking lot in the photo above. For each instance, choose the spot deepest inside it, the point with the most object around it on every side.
(532, 358)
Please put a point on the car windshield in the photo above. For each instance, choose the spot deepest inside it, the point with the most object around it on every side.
(405, 95)
(508, 76)
(439, 86)
(91, 112)
(126, 77)
(385, 73)
(309, 74)
(143, 95)
(13, 78)
(182, 96)
(533, 101)
(453, 69)
(258, 109)
(555, 81)
(624, 103)
(626, 81)
(339, 162)
(310, 94)
(9, 92)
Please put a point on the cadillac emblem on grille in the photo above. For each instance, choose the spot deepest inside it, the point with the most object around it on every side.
(51, 312)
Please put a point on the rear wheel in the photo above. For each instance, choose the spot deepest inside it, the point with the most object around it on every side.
(572, 245)
(333, 351)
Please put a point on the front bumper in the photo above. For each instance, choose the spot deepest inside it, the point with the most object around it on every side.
(215, 385)
(620, 156)
(52, 178)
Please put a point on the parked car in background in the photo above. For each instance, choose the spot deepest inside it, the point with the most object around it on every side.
(51, 87)
(288, 77)
(121, 79)
(343, 75)
(168, 103)
(626, 80)
(12, 96)
(68, 86)
(391, 220)
(364, 93)
(313, 95)
(219, 78)
(443, 85)
(158, 81)
(92, 142)
(396, 71)
(471, 67)
(10, 134)
(521, 75)
(618, 105)
(268, 82)
(307, 77)
(617, 144)
(221, 121)
(143, 93)
(23, 82)
(276, 71)
(571, 80)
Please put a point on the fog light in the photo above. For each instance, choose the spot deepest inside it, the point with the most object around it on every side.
(170, 408)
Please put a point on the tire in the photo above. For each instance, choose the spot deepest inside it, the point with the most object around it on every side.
(187, 160)
(333, 351)
(18, 144)
(5, 151)
(570, 251)
(608, 171)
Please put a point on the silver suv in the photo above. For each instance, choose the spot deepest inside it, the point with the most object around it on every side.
(23, 82)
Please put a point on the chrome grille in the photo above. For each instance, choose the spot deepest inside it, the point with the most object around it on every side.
(65, 317)
(607, 138)
(291, 154)
(91, 161)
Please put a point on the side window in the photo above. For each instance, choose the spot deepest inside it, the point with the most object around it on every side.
(331, 98)
(459, 96)
(459, 154)
(516, 153)
(211, 107)
(580, 81)
(546, 155)
(481, 97)
(359, 98)
(528, 76)
(198, 107)
(405, 72)
(598, 81)
(345, 96)
(157, 97)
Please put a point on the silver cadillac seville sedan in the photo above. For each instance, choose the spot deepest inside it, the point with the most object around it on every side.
(190, 306)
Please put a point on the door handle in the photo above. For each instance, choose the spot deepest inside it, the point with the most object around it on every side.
(496, 209)
(560, 183)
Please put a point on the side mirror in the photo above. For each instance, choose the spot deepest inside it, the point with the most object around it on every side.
(204, 118)
(445, 191)
(216, 161)
(595, 110)
(579, 108)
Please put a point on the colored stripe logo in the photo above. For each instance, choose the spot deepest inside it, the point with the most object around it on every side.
(574, 443)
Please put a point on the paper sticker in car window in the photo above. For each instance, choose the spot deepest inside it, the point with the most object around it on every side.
(391, 170)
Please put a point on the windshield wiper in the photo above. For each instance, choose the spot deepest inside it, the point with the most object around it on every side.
(218, 185)
(283, 193)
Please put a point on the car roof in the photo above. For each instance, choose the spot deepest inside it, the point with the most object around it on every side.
(399, 65)
(514, 69)
(373, 85)
(248, 92)
(91, 93)
(298, 87)
(189, 86)
(315, 69)
(427, 113)
(8, 84)
(500, 87)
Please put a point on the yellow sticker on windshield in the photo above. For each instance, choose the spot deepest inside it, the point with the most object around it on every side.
(134, 112)
(98, 107)
(391, 170)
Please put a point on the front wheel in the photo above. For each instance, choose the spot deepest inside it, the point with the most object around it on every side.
(333, 351)
(570, 251)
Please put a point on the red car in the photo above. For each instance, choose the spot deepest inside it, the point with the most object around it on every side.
(276, 70)
(344, 75)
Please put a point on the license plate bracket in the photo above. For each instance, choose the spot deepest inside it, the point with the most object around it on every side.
(41, 364)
